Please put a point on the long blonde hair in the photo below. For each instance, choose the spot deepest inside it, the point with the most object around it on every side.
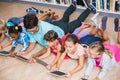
(99, 47)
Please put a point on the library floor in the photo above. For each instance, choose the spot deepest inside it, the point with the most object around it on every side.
(14, 69)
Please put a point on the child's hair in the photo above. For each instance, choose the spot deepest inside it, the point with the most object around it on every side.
(72, 38)
(99, 47)
(14, 29)
(30, 21)
(52, 36)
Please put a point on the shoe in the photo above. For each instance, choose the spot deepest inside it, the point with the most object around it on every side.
(104, 20)
(116, 23)
(93, 8)
(32, 10)
(74, 2)
(83, 79)
(15, 20)
(94, 19)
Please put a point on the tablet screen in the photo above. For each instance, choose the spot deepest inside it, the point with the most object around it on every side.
(4, 52)
(22, 58)
(58, 73)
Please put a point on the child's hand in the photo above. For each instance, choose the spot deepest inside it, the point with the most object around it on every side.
(49, 66)
(55, 69)
(12, 54)
(96, 78)
(31, 60)
(21, 53)
(68, 75)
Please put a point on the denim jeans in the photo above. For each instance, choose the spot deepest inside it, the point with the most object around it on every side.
(67, 26)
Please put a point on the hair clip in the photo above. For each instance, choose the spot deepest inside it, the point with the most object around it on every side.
(16, 27)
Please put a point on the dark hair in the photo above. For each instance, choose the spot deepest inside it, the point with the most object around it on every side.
(14, 29)
(51, 36)
(30, 21)
(72, 38)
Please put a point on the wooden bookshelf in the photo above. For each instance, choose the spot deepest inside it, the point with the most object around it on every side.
(53, 4)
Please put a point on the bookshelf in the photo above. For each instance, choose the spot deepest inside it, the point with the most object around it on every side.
(61, 4)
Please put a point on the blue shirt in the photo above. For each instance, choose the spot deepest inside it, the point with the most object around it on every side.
(22, 39)
(44, 27)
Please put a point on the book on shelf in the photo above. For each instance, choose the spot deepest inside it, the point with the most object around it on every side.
(106, 5)
(112, 5)
(102, 4)
(98, 4)
(93, 2)
(117, 6)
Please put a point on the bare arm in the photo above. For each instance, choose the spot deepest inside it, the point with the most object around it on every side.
(7, 44)
(2, 37)
(79, 66)
(56, 59)
(60, 60)
(45, 54)
(41, 52)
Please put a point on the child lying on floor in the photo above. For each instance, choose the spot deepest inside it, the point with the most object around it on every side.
(15, 32)
(103, 55)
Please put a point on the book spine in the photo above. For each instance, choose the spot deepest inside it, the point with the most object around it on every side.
(94, 2)
(105, 4)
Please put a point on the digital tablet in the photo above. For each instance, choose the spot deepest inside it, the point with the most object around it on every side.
(58, 73)
(41, 62)
(21, 58)
(4, 53)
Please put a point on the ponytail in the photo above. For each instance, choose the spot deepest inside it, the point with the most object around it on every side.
(107, 51)
(62, 47)
(14, 29)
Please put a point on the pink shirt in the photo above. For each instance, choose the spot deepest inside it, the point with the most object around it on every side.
(80, 51)
(98, 60)
(115, 51)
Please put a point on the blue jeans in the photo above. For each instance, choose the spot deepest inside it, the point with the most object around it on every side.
(89, 39)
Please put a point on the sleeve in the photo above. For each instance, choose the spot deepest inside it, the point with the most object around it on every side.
(31, 38)
(14, 44)
(105, 65)
(28, 34)
(90, 66)
(76, 31)
(26, 42)
(81, 51)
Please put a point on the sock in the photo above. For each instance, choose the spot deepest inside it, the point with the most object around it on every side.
(116, 23)
(104, 20)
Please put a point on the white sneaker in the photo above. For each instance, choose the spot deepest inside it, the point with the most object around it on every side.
(95, 19)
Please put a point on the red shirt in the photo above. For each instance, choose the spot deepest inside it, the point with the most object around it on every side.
(54, 48)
